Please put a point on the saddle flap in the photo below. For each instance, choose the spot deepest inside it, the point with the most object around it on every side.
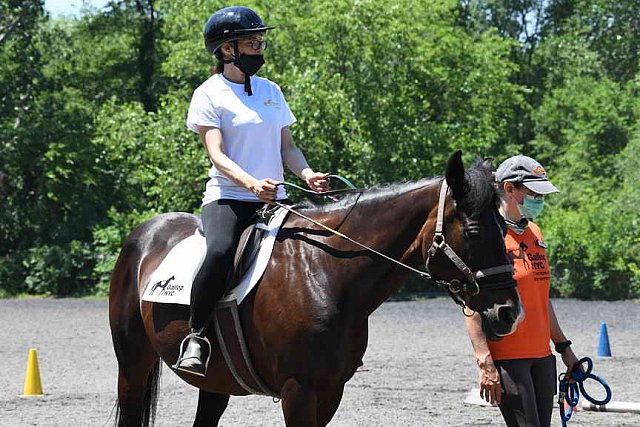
(249, 245)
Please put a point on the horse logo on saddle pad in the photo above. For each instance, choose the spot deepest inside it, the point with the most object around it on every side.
(171, 281)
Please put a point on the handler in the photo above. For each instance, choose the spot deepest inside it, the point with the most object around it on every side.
(243, 122)
(519, 372)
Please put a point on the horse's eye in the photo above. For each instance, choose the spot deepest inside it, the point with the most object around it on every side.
(473, 233)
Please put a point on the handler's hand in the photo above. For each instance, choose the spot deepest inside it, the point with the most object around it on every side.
(569, 359)
(265, 189)
(489, 379)
(315, 180)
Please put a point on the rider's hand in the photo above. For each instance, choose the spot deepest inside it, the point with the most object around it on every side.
(265, 189)
(315, 180)
(489, 379)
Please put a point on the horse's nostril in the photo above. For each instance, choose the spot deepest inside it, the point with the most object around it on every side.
(507, 314)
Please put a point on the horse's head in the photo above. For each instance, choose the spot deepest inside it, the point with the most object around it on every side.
(463, 246)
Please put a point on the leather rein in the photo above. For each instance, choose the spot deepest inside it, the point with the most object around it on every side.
(455, 287)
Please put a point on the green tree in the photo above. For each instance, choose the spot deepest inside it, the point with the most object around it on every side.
(18, 18)
(55, 76)
(92, 117)
(610, 28)
(585, 133)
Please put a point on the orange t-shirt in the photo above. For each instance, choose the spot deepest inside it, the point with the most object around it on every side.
(531, 271)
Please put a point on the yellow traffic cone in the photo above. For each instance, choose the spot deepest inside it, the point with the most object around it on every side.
(32, 383)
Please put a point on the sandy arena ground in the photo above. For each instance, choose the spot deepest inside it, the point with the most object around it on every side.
(419, 368)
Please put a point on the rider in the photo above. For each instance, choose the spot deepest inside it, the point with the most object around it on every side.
(243, 122)
(522, 361)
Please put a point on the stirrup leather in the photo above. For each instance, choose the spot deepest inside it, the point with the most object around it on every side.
(204, 343)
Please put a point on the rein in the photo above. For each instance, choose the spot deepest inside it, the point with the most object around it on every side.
(570, 392)
(363, 246)
(454, 286)
(350, 187)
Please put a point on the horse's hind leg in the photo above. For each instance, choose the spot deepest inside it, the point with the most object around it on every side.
(138, 375)
(137, 395)
(211, 406)
(138, 363)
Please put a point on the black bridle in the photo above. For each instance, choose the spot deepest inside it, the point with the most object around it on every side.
(469, 285)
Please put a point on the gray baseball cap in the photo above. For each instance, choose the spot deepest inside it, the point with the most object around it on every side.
(527, 171)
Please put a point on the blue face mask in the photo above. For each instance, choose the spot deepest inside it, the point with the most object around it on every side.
(531, 207)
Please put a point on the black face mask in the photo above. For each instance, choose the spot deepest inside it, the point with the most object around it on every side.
(249, 64)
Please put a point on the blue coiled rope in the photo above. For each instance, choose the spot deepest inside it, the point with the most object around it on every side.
(570, 392)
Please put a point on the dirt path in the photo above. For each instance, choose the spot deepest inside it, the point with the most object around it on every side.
(419, 361)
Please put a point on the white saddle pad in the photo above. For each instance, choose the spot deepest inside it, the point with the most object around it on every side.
(171, 281)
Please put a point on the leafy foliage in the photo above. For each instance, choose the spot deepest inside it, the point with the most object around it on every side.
(92, 135)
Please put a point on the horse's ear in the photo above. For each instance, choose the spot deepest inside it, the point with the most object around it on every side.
(455, 174)
(487, 165)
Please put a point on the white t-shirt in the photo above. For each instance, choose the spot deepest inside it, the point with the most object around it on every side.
(250, 127)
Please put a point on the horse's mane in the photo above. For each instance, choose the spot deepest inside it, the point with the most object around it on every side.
(379, 193)
(480, 192)
(480, 189)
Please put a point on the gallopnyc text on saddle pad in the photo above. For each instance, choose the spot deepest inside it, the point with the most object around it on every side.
(171, 281)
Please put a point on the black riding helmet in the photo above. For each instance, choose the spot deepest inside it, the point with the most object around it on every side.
(231, 23)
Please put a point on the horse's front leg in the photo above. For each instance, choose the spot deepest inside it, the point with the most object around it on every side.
(328, 405)
(299, 404)
(211, 406)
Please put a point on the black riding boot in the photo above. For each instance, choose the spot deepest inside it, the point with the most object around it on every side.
(195, 350)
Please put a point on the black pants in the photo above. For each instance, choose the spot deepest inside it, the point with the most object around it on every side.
(529, 386)
(223, 222)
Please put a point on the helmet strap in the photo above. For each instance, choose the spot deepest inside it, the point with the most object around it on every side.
(247, 84)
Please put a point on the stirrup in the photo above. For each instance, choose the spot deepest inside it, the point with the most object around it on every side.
(204, 343)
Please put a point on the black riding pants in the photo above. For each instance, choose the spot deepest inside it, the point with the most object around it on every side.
(529, 387)
(223, 222)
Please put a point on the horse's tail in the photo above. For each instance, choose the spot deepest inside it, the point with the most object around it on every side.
(151, 394)
(150, 401)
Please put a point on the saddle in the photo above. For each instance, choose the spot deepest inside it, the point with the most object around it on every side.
(249, 245)
(226, 320)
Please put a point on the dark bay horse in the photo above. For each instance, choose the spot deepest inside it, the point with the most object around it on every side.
(306, 323)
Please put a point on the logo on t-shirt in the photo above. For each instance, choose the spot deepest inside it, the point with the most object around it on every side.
(271, 103)
(520, 253)
(531, 258)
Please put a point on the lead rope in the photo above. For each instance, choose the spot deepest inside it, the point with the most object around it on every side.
(570, 392)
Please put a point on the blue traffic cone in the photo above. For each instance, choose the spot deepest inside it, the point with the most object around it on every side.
(603, 345)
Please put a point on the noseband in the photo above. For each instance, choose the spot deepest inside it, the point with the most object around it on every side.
(469, 286)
